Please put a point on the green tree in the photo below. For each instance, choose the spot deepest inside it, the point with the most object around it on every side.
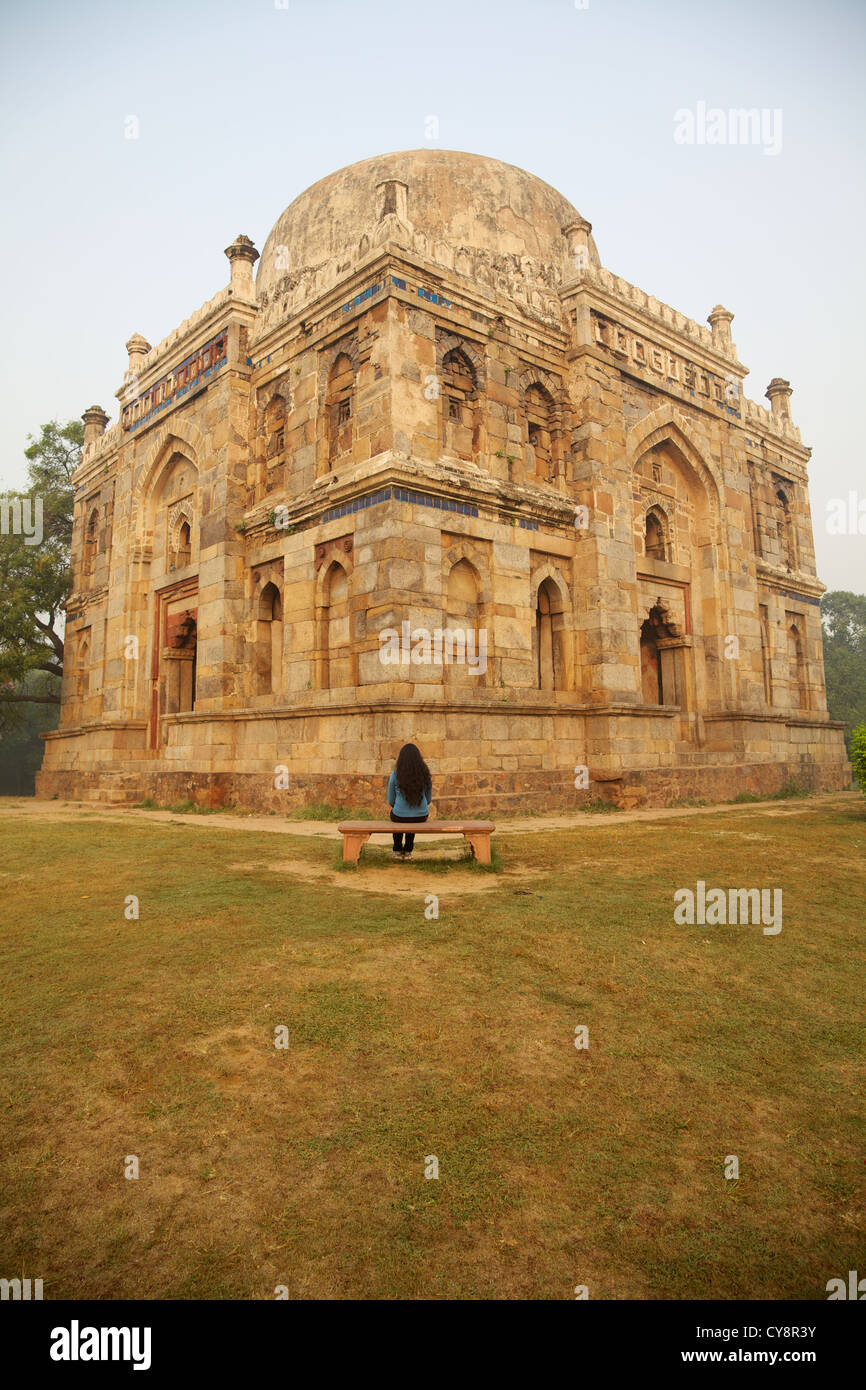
(21, 748)
(844, 621)
(35, 578)
(858, 755)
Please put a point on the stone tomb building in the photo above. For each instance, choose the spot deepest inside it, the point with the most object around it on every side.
(434, 474)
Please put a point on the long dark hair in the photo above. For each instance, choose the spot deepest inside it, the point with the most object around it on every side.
(413, 775)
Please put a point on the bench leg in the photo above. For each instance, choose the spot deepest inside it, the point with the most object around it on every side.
(352, 846)
(480, 844)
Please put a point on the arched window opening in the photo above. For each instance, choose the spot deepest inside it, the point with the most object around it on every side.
(269, 641)
(181, 549)
(539, 432)
(655, 544)
(339, 407)
(459, 397)
(549, 663)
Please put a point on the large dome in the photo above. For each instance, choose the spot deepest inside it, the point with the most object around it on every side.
(452, 202)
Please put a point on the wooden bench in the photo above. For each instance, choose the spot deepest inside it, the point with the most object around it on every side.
(356, 833)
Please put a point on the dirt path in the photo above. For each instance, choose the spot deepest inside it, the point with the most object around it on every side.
(48, 811)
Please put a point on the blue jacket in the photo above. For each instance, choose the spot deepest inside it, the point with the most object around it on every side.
(400, 806)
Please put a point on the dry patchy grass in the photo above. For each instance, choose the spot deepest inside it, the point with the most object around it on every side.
(411, 1037)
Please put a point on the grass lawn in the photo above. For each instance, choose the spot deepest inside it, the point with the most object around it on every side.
(412, 1036)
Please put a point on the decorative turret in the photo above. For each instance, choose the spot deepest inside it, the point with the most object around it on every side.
(95, 421)
(720, 320)
(138, 348)
(779, 394)
(577, 235)
(242, 256)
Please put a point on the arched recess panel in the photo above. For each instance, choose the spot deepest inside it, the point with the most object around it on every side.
(462, 601)
(269, 641)
(681, 560)
(549, 654)
(336, 633)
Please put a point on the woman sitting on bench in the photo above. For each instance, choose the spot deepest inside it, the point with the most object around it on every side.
(410, 791)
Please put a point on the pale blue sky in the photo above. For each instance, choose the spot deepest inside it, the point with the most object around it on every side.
(242, 105)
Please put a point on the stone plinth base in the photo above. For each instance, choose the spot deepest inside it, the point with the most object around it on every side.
(456, 795)
(484, 757)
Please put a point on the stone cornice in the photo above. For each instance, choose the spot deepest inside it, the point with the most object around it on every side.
(424, 704)
(495, 704)
(783, 580)
(74, 730)
(418, 475)
(787, 717)
(81, 601)
(325, 303)
(782, 446)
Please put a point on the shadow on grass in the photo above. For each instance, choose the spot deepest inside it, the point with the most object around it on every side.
(375, 856)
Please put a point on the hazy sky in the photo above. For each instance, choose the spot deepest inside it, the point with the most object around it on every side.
(242, 104)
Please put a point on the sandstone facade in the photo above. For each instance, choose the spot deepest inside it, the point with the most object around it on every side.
(433, 411)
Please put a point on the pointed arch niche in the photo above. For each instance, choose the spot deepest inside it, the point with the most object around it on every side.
(463, 615)
(168, 513)
(91, 543)
(545, 426)
(785, 528)
(82, 670)
(168, 473)
(339, 408)
(680, 561)
(336, 660)
(798, 687)
(268, 640)
(656, 535)
(552, 656)
(541, 434)
(460, 395)
(466, 608)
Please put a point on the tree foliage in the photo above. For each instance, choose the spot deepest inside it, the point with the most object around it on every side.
(35, 578)
(858, 755)
(844, 620)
